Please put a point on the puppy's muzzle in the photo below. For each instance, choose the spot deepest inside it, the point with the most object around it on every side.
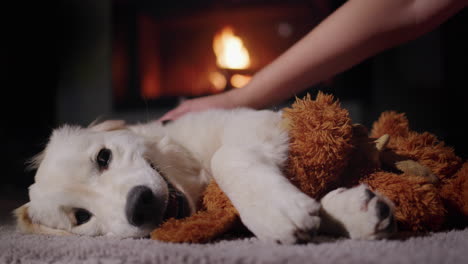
(143, 207)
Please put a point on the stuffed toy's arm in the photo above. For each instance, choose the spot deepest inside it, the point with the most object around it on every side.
(217, 218)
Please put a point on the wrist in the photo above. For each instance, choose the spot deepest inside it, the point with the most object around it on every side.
(231, 99)
(240, 97)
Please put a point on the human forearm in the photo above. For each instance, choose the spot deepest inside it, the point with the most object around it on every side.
(356, 31)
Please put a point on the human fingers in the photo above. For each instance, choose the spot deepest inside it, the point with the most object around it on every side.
(171, 115)
(177, 112)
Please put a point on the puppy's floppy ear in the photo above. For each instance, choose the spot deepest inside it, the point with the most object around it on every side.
(34, 162)
(23, 221)
(107, 125)
(26, 225)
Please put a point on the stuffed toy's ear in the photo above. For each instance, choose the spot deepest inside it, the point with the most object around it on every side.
(26, 225)
(412, 167)
(107, 125)
(382, 142)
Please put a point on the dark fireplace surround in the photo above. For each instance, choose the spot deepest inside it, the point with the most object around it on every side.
(161, 54)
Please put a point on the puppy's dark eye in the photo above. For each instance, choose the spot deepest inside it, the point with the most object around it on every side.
(103, 158)
(82, 216)
(153, 166)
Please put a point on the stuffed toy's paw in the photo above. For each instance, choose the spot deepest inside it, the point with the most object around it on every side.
(217, 217)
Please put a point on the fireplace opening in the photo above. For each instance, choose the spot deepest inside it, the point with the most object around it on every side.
(163, 55)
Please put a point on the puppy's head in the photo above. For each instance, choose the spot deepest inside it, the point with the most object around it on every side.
(95, 181)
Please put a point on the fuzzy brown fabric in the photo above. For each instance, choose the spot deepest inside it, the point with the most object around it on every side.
(391, 123)
(319, 150)
(454, 192)
(217, 217)
(423, 147)
(418, 206)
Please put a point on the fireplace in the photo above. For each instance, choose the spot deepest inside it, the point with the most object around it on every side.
(161, 54)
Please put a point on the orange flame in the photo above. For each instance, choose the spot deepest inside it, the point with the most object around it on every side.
(230, 50)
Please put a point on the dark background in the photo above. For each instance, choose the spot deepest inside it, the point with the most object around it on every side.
(41, 42)
(29, 77)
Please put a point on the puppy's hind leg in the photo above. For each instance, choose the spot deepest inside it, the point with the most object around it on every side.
(269, 205)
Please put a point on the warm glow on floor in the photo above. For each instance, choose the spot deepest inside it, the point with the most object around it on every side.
(239, 80)
(217, 80)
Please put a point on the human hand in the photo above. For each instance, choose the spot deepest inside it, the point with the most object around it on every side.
(198, 105)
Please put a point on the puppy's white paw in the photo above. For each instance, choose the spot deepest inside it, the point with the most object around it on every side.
(358, 213)
(283, 217)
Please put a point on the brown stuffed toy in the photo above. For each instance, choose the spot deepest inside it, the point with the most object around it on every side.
(425, 180)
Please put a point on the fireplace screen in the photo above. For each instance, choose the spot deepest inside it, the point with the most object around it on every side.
(160, 58)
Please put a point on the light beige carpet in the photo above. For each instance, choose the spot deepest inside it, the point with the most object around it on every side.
(442, 247)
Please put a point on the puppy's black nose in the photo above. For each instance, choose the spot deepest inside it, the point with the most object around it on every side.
(383, 210)
(142, 206)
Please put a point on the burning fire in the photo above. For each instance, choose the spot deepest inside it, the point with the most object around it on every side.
(230, 50)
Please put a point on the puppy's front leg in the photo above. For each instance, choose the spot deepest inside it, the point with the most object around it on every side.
(268, 204)
(358, 213)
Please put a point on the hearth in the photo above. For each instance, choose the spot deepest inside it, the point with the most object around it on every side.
(164, 54)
